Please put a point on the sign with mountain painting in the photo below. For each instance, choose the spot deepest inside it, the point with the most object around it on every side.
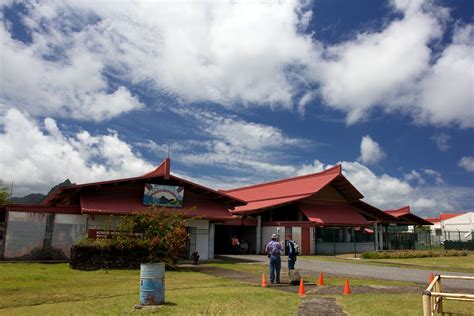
(163, 195)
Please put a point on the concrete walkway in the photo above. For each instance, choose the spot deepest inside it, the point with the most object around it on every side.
(368, 271)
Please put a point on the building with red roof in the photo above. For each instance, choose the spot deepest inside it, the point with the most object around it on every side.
(323, 212)
(72, 212)
(452, 226)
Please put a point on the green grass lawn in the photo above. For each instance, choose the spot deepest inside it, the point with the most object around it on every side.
(54, 289)
(454, 264)
(396, 305)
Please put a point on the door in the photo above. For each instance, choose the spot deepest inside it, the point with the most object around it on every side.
(305, 242)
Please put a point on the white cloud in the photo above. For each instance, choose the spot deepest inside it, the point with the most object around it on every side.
(234, 144)
(467, 163)
(435, 174)
(235, 54)
(447, 91)
(370, 151)
(74, 88)
(442, 141)
(414, 175)
(38, 156)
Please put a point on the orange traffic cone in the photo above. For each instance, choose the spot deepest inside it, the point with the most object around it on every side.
(347, 289)
(431, 277)
(301, 289)
(264, 281)
(321, 279)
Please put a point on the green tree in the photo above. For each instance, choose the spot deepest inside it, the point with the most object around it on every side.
(4, 194)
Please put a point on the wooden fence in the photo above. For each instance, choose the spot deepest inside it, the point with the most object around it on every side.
(433, 296)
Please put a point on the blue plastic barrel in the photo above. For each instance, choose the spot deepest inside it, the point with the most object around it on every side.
(152, 283)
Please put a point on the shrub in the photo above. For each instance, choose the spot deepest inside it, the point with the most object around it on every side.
(155, 235)
(404, 254)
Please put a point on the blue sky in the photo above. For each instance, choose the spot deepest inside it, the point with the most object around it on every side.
(245, 92)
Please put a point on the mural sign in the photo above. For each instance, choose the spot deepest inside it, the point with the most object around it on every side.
(163, 195)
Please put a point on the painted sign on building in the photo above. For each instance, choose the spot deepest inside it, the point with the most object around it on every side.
(163, 195)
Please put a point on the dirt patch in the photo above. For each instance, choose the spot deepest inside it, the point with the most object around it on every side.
(229, 274)
(315, 305)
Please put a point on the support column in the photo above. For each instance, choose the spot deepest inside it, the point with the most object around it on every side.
(212, 233)
(381, 237)
(376, 236)
(258, 247)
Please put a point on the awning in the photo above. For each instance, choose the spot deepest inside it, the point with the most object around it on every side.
(333, 214)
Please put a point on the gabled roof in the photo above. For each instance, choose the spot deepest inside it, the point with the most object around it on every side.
(162, 171)
(296, 186)
(405, 217)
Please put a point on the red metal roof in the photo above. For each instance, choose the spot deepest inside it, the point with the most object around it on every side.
(162, 171)
(406, 217)
(433, 220)
(130, 202)
(332, 213)
(69, 209)
(400, 212)
(303, 185)
(253, 207)
(282, 192)
(444, 217)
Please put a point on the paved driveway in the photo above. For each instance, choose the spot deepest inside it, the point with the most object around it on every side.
(370, 271)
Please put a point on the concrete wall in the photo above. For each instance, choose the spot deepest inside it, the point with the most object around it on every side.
(27, 236)
(328, 248)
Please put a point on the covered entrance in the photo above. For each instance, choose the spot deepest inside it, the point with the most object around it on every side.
(243, 229)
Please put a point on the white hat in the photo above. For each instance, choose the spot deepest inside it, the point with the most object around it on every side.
(274, 236)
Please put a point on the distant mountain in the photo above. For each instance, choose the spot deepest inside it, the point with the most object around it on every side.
(34, 198)
(37, 198)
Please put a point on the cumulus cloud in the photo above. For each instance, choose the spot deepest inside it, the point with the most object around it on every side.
(235, 54)
(467, 163)
(37, 156)
(447, 91)
(370, 151)
(75, 87)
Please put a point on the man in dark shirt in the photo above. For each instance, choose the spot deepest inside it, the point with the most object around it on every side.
(291, 252)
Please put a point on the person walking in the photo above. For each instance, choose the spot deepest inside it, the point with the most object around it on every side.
(291, 252)
(273, 249)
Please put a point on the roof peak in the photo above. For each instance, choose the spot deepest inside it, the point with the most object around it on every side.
(337, 169)
(162, 170)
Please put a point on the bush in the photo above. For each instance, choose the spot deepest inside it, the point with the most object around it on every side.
(404, 254)
(453, 244)
(155, 235)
